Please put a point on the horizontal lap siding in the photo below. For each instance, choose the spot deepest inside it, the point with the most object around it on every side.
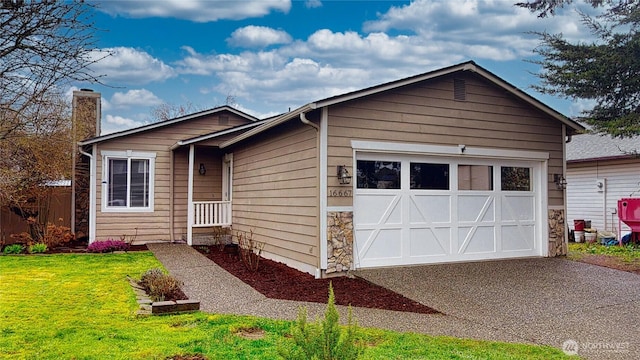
(426, 113)
(584, 201)
(155, 226)
(275, 191)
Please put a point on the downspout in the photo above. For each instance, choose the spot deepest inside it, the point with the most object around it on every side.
(171, 197)
(567, 136)
(305, 121)
(92, 193)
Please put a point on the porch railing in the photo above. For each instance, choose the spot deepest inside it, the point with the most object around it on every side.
(211, 213)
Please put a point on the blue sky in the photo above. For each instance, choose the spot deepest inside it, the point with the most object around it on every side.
(273, 55)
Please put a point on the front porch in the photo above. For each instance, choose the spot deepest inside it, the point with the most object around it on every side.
(207, 174)
(207, 214)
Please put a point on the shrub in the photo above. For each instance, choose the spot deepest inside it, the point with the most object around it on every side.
(22, 238)
(13, 249)
(324, 339)
(107, 246)
(38, 248)
(250, 250)
(160, 286)
(56, 235)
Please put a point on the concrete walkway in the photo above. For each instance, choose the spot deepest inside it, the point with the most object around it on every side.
(542, 301)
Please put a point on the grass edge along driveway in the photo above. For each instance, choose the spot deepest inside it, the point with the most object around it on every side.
(80, 306)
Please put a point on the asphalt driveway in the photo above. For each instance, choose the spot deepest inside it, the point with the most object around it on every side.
(586, 309)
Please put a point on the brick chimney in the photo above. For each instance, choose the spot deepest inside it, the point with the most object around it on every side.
(86, 116)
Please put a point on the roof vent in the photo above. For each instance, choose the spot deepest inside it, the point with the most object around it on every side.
(459, 89)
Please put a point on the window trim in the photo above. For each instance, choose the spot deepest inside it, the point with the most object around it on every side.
(128, 155)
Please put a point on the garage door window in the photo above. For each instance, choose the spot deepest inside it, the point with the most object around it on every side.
(475, 177)
(515, 178)
(425, 176)
(378, 174)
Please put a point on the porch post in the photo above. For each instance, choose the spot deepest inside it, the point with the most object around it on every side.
(190, 215)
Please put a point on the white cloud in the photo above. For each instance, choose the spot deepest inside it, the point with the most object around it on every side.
(258, 37)
(479, 29)
(273, 72)
(196, 10)
(113, 123)
(199, 64)
(105, 105)
(578, 106)
(140, 97)
(310, 4)
(131, 66)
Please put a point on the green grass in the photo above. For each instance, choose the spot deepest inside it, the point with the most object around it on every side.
(81, 307)
(628, 253)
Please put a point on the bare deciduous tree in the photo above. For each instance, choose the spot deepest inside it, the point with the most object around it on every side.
(44, 45)
(166, 111)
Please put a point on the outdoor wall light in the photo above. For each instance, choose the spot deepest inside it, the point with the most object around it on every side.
(561, 182)
(202, 170)
(343, 175)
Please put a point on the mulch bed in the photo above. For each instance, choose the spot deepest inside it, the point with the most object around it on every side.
(278, 281)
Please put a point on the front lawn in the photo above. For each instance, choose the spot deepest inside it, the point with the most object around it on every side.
(625, 258)
(80, 306)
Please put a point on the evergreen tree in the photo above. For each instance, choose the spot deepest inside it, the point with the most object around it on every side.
(606, 71)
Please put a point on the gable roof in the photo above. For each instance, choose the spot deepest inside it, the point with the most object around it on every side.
(465, 66)
(590, 147)
(164, 123)
(216, 134)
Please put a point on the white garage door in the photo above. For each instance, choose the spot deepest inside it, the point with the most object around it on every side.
(419, 209)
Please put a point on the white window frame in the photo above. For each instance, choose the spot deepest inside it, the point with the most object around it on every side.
(127, 155)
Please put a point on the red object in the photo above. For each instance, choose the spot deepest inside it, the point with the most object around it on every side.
(578, 225)
(629, 212)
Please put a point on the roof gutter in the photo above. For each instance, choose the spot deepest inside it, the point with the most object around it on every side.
(273, 123)
(306, 121)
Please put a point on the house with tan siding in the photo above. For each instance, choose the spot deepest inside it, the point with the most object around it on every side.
(447, 166)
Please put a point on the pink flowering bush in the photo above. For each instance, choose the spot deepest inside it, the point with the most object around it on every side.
(107, 246)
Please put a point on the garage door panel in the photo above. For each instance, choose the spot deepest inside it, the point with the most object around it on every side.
(518, 208)
(476, 239)
(476, 208)
(381, 244)
(518, 237)
(429, 242)
(379, 209)
(430, 209)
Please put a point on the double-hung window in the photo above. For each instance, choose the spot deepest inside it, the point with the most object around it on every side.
(127, 183)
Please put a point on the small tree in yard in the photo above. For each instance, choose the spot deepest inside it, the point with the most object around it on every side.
(324, 340)
(43, 46)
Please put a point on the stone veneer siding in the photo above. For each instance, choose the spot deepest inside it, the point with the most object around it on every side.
(339, 241)
(557, 225)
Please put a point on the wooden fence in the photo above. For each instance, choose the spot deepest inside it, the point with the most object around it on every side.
(59, 207)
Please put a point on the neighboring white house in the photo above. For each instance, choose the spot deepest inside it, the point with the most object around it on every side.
(600, 171)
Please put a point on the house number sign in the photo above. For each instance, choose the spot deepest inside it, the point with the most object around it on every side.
(340, 193)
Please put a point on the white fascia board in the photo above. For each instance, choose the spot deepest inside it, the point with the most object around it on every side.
(268, 125)
(164, 123)
(215, 134)
(448, 150)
